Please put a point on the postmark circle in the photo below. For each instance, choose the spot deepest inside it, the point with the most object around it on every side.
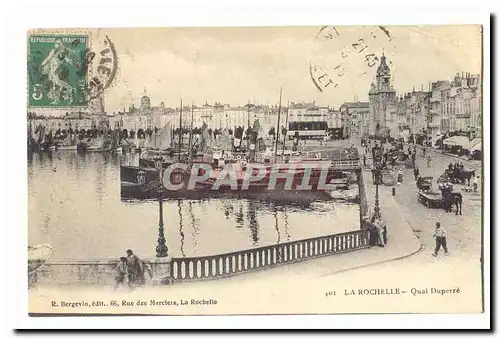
(102, 64)
(348, 52)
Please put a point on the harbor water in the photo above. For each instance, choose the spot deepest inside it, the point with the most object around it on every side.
(74, 205)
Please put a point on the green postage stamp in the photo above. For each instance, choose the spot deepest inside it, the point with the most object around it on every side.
(57, 70)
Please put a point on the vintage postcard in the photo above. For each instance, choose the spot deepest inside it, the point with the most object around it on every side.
(256, 170)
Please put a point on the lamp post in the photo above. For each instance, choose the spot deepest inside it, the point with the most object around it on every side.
(377, 163)
(161, 249)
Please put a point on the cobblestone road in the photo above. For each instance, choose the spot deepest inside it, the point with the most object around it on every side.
(464, 231)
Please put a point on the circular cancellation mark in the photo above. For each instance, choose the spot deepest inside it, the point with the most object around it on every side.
(342, 54)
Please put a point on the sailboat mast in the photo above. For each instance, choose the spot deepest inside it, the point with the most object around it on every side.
(286, 127)
(248, 115)
(278, 125)
(180, 132)
(191, 129)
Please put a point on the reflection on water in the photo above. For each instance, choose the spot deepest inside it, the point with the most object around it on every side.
(74, 205)
(276, 226)
(181, 226)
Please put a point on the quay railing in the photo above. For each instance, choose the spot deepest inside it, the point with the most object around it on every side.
(346, 164)
(229, 264)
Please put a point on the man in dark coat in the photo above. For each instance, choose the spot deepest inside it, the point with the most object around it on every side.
(416, 172)
(135, 269)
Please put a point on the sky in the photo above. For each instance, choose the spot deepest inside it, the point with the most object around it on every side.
(237, 65)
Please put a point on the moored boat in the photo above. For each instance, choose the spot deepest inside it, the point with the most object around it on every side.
(38, 256)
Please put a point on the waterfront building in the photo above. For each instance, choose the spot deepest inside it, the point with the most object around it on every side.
(311, 120)
(446, 107)
(71, 120)
(459, 103)
(355, 117)
(434, 117)
(419, 107)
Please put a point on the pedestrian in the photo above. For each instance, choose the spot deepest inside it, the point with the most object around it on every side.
(135, 269)
(416, 172)
(400, 177)
(440, 236)
(121, 271)
(475, 183)
(372, 230)
(429, 161)
(381, 229)
(364, 160)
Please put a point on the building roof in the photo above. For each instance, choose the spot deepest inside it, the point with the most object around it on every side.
(357, 104)
(78, 115)
(303, 105)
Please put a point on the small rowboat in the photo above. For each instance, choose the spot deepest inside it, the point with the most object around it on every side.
(38, 256)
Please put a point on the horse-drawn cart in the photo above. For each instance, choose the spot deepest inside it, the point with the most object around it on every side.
(430, 199)
(426, 196)
(424, 184)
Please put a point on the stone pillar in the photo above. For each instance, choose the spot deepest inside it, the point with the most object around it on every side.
(162, 274)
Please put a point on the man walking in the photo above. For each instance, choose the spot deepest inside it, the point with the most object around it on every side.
(416, 172)
(440, 236)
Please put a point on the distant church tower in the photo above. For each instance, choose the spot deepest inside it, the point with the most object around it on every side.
(382, 96)
(145, 102)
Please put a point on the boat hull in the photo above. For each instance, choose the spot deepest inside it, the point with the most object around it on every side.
(142, 183)
(67, 148)
(135, 191)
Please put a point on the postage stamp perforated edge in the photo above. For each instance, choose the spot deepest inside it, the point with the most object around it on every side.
(55, 32)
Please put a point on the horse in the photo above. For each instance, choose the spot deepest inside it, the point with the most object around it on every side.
(451, 198)
(467, 175)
